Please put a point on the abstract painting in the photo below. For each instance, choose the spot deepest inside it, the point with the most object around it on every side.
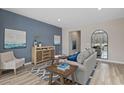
(14, 39)
(57, 40)
(73, 44)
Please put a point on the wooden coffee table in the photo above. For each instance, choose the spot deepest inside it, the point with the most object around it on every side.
(63, 74)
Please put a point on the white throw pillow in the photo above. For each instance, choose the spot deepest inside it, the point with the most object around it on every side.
(86, 54)
(93, 50)
(90, 50)
(80, 58)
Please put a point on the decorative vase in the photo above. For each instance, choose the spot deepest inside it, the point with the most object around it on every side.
(35, 43)
(40, 45)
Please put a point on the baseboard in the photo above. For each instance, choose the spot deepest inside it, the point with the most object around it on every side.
(28, 63)
(110, 61)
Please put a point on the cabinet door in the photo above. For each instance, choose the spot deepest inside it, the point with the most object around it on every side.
(39, 56)
(52, 53)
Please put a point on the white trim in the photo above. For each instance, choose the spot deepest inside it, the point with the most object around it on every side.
(110, 61)
(28, 63)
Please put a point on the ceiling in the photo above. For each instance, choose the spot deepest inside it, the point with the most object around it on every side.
(70, 18)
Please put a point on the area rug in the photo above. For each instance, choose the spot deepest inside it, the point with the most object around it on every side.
(41, 72)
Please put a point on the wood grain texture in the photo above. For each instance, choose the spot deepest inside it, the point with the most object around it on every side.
(66, 73)
(108, 74)
(42, 54)
(105, 74)
(23, 77)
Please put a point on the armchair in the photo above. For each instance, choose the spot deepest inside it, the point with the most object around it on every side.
(9, 61)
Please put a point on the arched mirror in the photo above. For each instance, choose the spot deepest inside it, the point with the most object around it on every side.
(99, 41)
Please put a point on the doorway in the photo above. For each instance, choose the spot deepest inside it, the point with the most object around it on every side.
(74, 42)
(99, 41)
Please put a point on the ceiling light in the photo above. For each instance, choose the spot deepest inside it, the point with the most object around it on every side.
(59, 19)
(99, 8)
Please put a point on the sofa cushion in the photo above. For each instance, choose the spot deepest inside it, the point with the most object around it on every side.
(90, 50)
(86, 54)
(19, 62)
(82, 56)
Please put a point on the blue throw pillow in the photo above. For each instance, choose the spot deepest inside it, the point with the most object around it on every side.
(73, 57)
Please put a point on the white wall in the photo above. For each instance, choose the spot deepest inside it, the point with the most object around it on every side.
(115, 30)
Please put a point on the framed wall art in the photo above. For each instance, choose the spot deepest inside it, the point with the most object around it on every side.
(57, 40)
(14, 39)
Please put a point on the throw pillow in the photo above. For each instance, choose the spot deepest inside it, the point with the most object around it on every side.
(83, 55)
(90, 50)
(80, 58)
(73, 57)
(86, 54)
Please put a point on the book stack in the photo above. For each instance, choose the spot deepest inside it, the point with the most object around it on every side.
(63, 66)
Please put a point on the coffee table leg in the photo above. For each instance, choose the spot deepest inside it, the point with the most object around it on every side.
(62, 80)
(73, 79)
(0, 71)
(57, 61)
(52, 61)
(50, 78)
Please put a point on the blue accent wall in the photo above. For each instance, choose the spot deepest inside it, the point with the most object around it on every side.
(45, 32)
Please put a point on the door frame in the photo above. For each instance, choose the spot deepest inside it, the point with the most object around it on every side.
(69, 39)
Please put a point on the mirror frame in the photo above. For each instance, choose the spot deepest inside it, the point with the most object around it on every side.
(107, 41)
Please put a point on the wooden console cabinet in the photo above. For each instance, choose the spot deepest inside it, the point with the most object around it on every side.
(42, 54)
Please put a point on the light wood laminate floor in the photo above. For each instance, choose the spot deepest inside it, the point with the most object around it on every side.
(23, 77)
(105, 74)
(108, 74)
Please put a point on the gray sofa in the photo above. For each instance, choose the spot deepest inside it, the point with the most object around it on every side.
(85, 68)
